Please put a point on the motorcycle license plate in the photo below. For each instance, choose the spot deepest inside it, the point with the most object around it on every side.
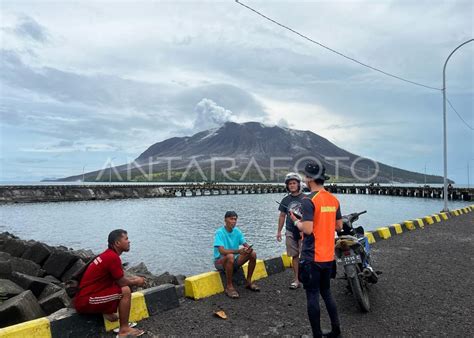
(346, 260)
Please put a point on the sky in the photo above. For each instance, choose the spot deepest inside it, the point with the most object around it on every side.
(83, 83)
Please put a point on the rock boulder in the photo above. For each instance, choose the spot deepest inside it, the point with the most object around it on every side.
(37, 253)
(58, 263)
(20, 308)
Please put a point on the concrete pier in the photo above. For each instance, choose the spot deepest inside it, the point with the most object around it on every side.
(87, 192)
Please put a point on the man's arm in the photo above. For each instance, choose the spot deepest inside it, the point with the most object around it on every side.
(131, 281)
(338, 219)
(305, 226)
(223, 251)
(281, 221)
(116, 270)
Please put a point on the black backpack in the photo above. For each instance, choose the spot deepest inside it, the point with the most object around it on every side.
(72, 286)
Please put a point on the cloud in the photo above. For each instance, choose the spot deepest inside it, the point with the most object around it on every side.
(71, 147)
(30, 28)
(155, 70)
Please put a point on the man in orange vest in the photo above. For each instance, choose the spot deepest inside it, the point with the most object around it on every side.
(321, 218)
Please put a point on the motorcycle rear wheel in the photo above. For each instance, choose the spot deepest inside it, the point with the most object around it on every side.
(360, 292)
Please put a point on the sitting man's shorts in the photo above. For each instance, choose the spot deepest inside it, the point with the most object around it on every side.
(218, 263)
(292, 245)
(104, 301)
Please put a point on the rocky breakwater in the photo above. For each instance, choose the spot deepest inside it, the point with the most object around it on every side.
(62, 193)
(32, 276)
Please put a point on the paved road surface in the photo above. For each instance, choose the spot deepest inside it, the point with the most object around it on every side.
(426, 290)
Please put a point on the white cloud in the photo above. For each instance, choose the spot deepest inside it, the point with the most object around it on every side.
(133, 73)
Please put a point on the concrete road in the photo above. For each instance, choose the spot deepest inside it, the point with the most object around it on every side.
(425, 290)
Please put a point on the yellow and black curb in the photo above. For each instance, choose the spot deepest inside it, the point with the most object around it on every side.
(68, 323)
(211, 283)
(148, 302)
(410, 225)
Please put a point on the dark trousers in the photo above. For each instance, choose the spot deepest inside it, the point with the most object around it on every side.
(316, 280)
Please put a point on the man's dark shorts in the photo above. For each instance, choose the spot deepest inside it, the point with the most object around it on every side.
(315, 275)
(218, 263)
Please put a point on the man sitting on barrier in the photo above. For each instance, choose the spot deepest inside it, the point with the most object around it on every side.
(104, 288)
(228, 256)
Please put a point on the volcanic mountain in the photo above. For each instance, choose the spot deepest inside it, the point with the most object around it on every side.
(251, 152)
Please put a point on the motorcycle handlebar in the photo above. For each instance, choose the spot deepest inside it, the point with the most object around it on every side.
(355, 216)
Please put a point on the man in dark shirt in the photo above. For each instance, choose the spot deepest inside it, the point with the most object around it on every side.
(104, 288)
(292, 235)
(321, 218)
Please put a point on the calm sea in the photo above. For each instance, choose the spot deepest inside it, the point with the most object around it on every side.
(176, 235)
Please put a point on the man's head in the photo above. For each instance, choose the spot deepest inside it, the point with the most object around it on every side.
(118, 241)
(315, 174)
(293, 183)
(230, 219)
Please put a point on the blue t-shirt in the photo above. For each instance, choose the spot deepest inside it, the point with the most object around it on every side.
(229, 240)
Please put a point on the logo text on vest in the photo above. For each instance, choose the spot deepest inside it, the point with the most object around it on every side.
(328, 209)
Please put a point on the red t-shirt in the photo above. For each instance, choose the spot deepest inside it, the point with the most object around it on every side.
(101, 274)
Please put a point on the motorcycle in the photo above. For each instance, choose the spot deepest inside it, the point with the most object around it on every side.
(352, 253)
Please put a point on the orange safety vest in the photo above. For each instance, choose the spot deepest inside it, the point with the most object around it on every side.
(324, 225)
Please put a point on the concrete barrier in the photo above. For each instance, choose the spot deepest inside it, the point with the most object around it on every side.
(138, 311)
(428, 219)
(259, 272)
(396, 229)
(210, 283)
(203, 285)
(287, 260)
(33, 328)
(370, 237)
(382, 233)
(274, 265)
(420, 223)
(68, 323)
(409, 225)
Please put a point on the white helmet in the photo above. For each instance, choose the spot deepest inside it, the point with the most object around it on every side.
(293, 176)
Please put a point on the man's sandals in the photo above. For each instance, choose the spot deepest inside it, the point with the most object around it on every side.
(252, 287)
(232, 293)
(294, 285)
(132, 333)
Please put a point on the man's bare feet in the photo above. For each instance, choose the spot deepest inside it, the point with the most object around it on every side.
(111, 317)
(130, 332)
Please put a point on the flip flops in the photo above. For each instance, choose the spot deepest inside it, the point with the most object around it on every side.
(253, 287)
(141, 333)
(131, 324)
(232, 293)
(294, 285)
(129, 335)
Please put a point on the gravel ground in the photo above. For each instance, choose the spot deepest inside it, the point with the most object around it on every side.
(425, 290)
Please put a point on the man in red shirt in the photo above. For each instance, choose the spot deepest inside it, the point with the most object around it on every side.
(104, 288)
